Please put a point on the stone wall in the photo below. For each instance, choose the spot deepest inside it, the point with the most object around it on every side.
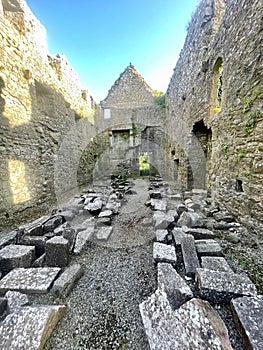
(41, 104)
(216, 91)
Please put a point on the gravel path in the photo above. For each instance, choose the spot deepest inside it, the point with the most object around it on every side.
(103, 308)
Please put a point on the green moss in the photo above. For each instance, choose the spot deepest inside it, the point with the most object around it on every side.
(249, 100)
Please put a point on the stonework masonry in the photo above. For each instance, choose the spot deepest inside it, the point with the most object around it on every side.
(206, 132)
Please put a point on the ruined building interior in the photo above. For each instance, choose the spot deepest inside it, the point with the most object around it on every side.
(166, 187)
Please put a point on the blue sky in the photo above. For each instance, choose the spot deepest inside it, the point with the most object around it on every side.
(101, 37)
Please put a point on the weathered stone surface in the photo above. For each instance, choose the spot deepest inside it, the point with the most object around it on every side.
(52, 223)
(104, 233)
(191, 262)
(223, 216)
(68, 215)
(162, 220)
(30, 280)
(113, 206)
(95, 206)
(208, 247)
(155, 194)
(40, 261)
(173, 213)
(177, 290)
(13, 256)
(82, 239)
(195, 325)
(248, 313)
(178, 235)
(219, 286)
(3, 305)
(30, 327)
(215, 263)
(8, 238)
(39, 242)
(159, 204)
(189, 219)
(67, 280)
(33, 228)
(15, 300)
(105, 213)
(57, 252)
(199, 233)
(104, 221)
(161, 235)
(164, 253)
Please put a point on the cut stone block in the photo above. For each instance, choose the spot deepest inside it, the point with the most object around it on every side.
(189, 219)
(105, 213)
(181, 208)
(82, 239)
(113, 206)
(68, 215)
(177, 290)
(191, 262)
(13, 256)
(248, 312)
(57, 252)
(40, 261)
(155, 194)
(16, 300)
(95, 206)
(104, 232)
(104, 221)
(173, 213)
(33, 228)
(66, 281)
(39, 242)
(162, 220)
(158, 204)
(195, 325)
(178, 235)
(161, 235)
(52, 223)
(208, 248)
(30, 281)
(8, 238)
(218, 286)
(30, 327)
(199, 233)
(215, 263)
(164, 253)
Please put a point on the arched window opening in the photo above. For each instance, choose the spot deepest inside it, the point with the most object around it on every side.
(217, 87)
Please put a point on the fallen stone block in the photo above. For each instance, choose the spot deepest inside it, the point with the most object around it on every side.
(3, 306)
(223, 216)
(189, 219)
(94, 207)
(158, 204)
(164, 253)
(33, 228)
(30, 281)
(191, 262)
(8, 238)
(30, 327)
(162, 220)
(13, 256)
(161, 235)
(39, 242)
(155, 194)
(178, 235)
(52, 223)
(177, 290)
(40, 261)
(15, 300)
(104, 221)
(105, 213)
(113, 206)
(199, 233)
(181, 208)
(215, 263)
(57, 252)
(248, 314)
(218, 286)
(173, 213)
(208, 248)
(104, 232)
(66, 281)
(68, 215)
(82, 239)
(195, 325)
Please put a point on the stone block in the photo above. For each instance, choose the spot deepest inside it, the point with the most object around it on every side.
(173, 213)
(164, 253)
(3, 306)
(162, 220)
(104, 233)
(39, 242)
(82, 238)
(57, 252)
(40, 261)
(30, 327)
(191, 262)
(199, 233)
(52, 223)
(104, 221)
(30, 281)
(113, 206)
(158, 204)
(223, 216)
(189, 219)
(68, 215)
(178, 235)
(161, 235)
(8, 238)
(248, 314)
(155, 194)
(208, 247)
(215, 263)
(15, 300)
(94, 207)
(195, 325)
(105, 213)
(34, 228)
(67, 280)
(13, 256)
(218, 286)
(177, 290)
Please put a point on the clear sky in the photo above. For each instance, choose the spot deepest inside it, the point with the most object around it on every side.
(101, 37)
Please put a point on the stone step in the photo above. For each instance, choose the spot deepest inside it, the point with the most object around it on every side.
(30, 327)
(191, 262)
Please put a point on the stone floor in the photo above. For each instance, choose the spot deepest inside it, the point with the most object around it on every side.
(134, 265)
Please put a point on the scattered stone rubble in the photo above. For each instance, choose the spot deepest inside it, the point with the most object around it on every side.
(194, 279)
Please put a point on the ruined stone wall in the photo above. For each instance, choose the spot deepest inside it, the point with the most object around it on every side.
(41, 107)
(218, 82)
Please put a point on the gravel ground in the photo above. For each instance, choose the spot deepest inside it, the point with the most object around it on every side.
(103, 308)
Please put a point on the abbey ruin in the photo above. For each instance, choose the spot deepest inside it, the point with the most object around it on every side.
(203, 137)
